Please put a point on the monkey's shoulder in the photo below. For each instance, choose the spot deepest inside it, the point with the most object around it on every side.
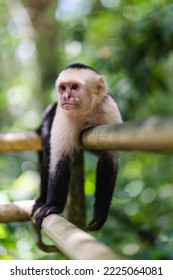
(108, 111)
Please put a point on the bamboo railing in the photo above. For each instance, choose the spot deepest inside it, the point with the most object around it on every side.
(73, 242)
(151, 134)
(154, 134)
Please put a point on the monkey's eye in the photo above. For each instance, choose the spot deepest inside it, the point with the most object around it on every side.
(63, 88)
(74, 86)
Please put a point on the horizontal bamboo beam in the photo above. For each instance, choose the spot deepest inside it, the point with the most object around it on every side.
(73, 242)
(154, 134)
(16, 212)
(19, 141)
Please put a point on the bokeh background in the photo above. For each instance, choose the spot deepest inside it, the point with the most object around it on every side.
(131, 43)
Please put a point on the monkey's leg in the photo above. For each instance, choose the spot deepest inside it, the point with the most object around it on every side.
(44, 158)
(57, 190)
(107, 169)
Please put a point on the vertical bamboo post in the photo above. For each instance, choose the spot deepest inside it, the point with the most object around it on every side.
(75, 211)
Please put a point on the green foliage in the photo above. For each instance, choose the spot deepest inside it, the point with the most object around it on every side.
(131, 43)
(146, 43)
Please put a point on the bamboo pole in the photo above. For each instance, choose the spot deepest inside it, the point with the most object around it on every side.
(152, 134)
(19, 141)
(16, 212)
(73, 242)
(75, 209)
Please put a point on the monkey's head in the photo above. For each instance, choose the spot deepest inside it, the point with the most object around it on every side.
(80, 87)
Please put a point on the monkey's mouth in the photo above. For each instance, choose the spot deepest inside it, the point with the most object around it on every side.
(68, 106)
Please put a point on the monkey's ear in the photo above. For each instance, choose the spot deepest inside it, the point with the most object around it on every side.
(101, 85)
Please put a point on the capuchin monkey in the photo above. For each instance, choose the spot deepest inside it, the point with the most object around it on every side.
(83, 101)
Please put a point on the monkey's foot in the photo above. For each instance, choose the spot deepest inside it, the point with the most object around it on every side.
(45, 211)
(96, 223)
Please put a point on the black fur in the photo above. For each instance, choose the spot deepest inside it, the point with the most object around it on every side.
(106, 174)
(57, 190)
(44, 155)
(80, 66)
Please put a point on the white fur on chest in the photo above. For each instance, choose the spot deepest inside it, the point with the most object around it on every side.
(67, 126)
(64, 136)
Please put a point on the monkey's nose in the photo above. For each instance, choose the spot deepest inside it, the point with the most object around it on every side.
(67, 95)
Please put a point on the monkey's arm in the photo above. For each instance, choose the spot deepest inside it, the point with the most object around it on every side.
(107, 169)
(57, 190)
(44, 154)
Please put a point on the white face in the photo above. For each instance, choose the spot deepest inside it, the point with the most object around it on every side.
(77, 89)
(69, 92)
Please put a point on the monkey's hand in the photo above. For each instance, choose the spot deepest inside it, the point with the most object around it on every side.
(96, 223)
(45, 211)
(38, 203)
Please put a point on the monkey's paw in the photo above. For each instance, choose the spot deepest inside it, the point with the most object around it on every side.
(96, 223)
(45, 211)
(38, 203)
